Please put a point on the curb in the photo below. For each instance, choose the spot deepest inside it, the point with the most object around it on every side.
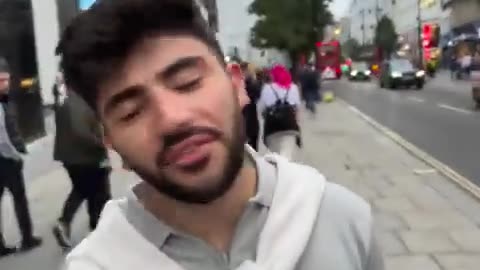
(443, 169)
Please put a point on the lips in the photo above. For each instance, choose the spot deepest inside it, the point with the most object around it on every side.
(189, 152)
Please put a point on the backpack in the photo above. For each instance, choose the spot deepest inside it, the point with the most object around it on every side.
(281, 116)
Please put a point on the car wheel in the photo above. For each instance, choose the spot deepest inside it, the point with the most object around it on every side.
(419, 86)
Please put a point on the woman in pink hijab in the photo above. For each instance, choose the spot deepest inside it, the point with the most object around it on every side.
(280, 103)
(281, 77)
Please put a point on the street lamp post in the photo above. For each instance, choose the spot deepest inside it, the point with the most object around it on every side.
(363, 25)
(419, 28)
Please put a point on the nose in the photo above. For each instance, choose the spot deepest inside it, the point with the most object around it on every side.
(171, 110)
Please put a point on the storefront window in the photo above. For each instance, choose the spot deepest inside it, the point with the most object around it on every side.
(17, 40)
(17, 46)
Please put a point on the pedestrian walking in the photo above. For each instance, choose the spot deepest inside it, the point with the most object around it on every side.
(59, 91)
(466, 64)
(310, 84)
(206, 200)
(454, 67)
(280, 104)
(79, 147)
(253, 87)
(11, 167)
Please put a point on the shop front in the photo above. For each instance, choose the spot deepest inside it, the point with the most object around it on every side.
(18, 47)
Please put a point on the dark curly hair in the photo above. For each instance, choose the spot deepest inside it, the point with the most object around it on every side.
(97, 42)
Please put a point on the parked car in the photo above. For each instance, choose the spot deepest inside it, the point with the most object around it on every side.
(360, 71)
(401, 72)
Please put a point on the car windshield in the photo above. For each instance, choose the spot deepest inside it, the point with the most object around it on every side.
(401, 65)
(360, 66)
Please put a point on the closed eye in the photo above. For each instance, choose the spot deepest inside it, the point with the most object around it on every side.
(189, 86)
(130, 116)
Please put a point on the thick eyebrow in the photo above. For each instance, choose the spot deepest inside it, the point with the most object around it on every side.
(115, 100)
(181, 64)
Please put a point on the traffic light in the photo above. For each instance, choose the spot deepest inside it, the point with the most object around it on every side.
(430, 35)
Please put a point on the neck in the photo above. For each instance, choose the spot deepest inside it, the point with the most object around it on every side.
(215, 222)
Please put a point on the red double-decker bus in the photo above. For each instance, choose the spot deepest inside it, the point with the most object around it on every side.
(329, 59)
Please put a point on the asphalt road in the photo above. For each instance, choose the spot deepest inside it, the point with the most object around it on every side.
(440, 119)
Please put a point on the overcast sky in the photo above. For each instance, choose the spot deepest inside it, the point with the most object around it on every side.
(339, 8)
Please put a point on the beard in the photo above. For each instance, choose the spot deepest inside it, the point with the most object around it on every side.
(221, 183)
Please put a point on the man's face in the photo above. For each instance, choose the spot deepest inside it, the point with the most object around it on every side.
(174, 115)
(4, 82)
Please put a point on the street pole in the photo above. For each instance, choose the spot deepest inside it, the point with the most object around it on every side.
(363, 26)
(419, 27)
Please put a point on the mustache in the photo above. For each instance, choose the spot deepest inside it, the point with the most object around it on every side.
(182, 134)
(178, 136)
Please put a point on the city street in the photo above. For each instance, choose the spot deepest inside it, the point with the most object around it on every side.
(424, 221)
(440, 119)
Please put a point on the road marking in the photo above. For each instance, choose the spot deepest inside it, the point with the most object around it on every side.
(455, 109)
(417, 99)
(424, 171)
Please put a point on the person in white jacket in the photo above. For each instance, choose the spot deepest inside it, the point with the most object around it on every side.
(157, 81)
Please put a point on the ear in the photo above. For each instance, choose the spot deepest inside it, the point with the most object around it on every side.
(239, 86)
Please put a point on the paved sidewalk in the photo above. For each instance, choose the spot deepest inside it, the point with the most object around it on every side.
(424, 221)
(46, 195)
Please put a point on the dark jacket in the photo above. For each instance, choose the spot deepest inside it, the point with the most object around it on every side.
(254, 89)
(309, 82)
(78, 138)
(12, 125)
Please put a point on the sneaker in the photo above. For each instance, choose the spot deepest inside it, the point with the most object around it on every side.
(6, 251)
(30, 244)
(62, 235)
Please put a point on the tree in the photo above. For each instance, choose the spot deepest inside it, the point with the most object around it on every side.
(386, 36)
(351, 48)
(291, 25)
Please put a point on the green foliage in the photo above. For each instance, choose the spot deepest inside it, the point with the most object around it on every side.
(386, 36)
(291, 25)
(351, 48)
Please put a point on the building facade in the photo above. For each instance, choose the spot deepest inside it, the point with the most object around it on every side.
(364, 15)
(465, 16)
(344, 26)
(23, 43)
(405, 15)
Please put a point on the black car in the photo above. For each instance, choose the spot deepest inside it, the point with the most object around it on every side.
(401, 72)
(359, 71)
